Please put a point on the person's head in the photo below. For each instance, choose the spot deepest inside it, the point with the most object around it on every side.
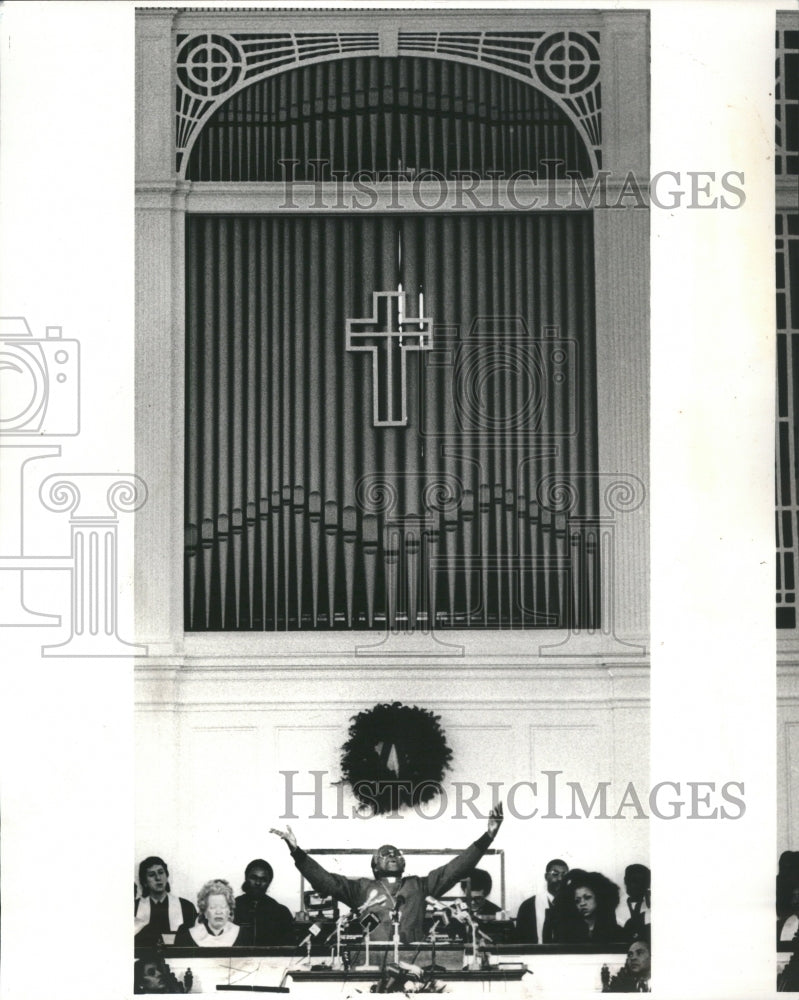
(388, 861)
(258, 877)
(639, 959)
(555, 874)
(594, 895)
(149, 975)
(154, 877)
(216, 903)
(585, 901)
(480, 881)
(637, 879)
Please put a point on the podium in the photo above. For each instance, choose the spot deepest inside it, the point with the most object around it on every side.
(558, 970)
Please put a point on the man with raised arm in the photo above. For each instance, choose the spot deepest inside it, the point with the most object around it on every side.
(388, 891)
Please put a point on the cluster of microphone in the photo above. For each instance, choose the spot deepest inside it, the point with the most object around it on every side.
(454, 912)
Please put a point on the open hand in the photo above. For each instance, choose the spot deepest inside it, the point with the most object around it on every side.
(286, 835)
(495, 818)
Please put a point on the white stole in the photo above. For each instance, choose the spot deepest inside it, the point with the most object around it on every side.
(203, 938)
(624, 912)
(144, 913)
(789, 928)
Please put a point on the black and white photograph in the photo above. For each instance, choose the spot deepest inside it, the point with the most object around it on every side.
(786, 170)
(402, 418)
(388, 452)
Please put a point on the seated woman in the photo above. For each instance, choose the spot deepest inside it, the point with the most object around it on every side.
(214, 927)
(159, 911)
(591, 916)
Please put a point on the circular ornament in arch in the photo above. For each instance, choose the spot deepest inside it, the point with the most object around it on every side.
(209, 65)
(566, 62)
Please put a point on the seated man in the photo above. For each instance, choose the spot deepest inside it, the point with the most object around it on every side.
(159, 911)
(271, 922)
(634, 913)
(479, 887)
(536, 921)
(634, 975)
(387, 892)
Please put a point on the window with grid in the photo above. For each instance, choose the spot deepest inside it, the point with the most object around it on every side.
(787, 280)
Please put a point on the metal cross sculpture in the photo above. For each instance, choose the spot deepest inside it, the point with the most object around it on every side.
(389, 333)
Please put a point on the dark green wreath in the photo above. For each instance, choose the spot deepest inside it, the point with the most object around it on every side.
(396, 756)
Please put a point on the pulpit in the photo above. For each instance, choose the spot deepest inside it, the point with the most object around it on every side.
(511, 970)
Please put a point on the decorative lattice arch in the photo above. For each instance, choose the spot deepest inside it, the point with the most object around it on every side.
(212, 66)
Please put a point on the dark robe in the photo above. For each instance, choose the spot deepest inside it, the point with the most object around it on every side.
(606, 931)
(381, 897)
(151, 933)
(271, 922)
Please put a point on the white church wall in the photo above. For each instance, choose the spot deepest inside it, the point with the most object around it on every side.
(210, 782)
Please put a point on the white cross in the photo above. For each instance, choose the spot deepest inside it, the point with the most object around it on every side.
(389, 333)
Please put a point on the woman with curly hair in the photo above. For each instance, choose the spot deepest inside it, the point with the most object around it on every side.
(591, 918)
(214, 927)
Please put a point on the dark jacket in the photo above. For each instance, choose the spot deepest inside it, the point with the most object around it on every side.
(271, 922)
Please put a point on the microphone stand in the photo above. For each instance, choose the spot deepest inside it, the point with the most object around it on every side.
(431, 968)
(367, 966)
(395, 919)
(475, 964)
(337, 963)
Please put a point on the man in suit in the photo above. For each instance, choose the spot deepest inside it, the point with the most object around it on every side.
(536, 921)
(634, 913)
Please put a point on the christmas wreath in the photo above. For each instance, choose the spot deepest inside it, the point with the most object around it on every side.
(396, 756)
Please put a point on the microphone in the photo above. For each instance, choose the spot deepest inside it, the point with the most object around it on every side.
(441, 911)
(369, 921)
(313, 932)
(461, 912)
(342, 920)
(371, 900)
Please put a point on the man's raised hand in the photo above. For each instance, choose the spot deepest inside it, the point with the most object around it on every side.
(495, 818)
(286, 835)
